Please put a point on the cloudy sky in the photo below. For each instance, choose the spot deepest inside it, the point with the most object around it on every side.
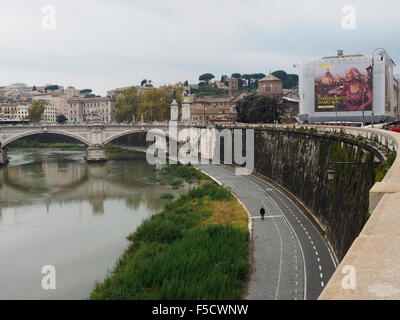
(103, 44)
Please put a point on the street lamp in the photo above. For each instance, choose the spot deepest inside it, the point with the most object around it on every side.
(330, 174)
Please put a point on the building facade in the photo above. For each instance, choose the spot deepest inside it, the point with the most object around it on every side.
(270, 86)
(79, 109)
(49, 115)
(59, 101)
(205, 108)
(233, 86)
(118, 93)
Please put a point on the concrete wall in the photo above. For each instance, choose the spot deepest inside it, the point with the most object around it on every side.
(370, 269)
(298, 160)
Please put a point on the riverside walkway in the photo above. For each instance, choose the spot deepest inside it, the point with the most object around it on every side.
(291, 261)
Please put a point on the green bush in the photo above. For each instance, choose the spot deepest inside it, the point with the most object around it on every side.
(205, 264)
(167, 196)
(174, 256)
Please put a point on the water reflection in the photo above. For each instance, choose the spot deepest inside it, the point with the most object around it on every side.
(56, 209)
(62, 180)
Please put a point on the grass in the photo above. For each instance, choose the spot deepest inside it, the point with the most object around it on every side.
(167, 196)
(196, 248)
(37, 145)
(186, 172)
(175, 182)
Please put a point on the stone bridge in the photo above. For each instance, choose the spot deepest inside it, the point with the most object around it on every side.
(96, 136)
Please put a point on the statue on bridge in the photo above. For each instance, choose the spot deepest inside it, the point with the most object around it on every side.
(95, 117)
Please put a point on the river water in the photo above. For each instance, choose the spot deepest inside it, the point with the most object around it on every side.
(55, 209)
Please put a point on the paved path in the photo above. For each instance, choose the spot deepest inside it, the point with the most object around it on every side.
(291, 260)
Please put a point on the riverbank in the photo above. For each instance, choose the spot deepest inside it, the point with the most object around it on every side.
(38, 145)
(196, 248)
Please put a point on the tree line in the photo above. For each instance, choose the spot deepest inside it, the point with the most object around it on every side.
(151, 105)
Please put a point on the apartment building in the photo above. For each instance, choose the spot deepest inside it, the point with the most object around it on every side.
(49, 115)
(59, 101)
(9, 111)
(78, 109)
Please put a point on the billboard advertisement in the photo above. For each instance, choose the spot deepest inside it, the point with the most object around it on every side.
(343, 87)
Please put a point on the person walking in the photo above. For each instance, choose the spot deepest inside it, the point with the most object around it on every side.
(262, 212)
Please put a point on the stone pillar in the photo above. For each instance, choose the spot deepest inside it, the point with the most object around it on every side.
(186, 110)
(95, 153)
(174, 111)
(3, 157)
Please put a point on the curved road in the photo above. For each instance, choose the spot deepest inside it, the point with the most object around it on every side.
(291, 261)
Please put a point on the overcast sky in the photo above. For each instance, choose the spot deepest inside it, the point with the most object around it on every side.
(102, 44)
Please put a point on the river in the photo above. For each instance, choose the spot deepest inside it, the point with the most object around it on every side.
(55, 209)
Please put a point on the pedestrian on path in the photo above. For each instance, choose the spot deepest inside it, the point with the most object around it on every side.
(262, 212)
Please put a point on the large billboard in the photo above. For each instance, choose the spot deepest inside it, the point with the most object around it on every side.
(343, 87)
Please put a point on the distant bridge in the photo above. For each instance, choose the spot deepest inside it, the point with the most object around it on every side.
(94, 136)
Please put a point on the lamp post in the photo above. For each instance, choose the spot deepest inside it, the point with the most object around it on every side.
(330, 173)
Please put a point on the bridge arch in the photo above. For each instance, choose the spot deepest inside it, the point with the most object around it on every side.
(158, 132)
(18, 136)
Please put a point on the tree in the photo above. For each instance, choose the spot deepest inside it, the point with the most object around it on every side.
(127, 106)
(247, 77)
(256, 108)
(51, 88)
(257, 77)
(206, 77)
(34, 88)
(143, 83)
(289, 81)
(155, 103)
(86, 91)
(236, 75)
(280, 74)
(36, 111)
(61, 118)
(186, 83)
(225, 79)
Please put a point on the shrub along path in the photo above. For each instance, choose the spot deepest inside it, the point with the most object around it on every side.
(196, 248)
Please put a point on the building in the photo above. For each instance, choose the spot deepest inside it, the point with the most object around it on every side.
(205, 108)
(79, 109)
(9, 111)
(119, 92)
(71, 92)
(49, 115)
(233, 86)
(59, 101)
(347, 88)
(221, 85)
(270, 86)
(290, 107)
